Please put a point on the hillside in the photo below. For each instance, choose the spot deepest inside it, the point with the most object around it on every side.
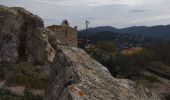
(121, 40)
(159, 31)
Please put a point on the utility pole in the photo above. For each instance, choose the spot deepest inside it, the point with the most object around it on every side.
(87, 22)
(86, 35)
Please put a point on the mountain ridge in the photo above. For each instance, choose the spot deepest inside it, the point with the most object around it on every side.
(158, 31)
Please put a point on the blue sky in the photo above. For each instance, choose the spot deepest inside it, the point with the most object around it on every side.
(116, 13)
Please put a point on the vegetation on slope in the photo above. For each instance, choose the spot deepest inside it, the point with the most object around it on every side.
(24, 74)
(7, 95)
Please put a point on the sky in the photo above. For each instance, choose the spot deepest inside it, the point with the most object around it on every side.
(116, 13)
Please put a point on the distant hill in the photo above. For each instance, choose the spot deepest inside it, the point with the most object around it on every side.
(159, 31)
(121, 40)
(95, 30)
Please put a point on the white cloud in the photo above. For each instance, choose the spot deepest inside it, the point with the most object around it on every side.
(98, 2)
(118, 13)
(151, 18)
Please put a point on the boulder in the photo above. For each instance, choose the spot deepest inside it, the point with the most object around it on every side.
(76, 76)
(23, 37)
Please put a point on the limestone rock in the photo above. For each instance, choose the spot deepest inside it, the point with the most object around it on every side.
(23, 36)
(76, 76)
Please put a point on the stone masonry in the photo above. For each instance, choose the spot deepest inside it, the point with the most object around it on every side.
(66, 34)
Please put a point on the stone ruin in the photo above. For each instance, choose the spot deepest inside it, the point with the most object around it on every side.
(66, 34)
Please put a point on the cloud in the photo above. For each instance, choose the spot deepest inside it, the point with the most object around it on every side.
(137, 11)
(118, 13)
(152, 18)
(98, 2)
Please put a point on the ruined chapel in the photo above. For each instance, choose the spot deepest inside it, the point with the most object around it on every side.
(66, 34)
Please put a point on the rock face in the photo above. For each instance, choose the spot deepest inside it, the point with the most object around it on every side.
(76, 76)
(23, 36)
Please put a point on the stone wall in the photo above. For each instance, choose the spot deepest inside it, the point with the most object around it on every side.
(66, 34)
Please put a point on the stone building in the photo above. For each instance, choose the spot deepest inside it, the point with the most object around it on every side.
(66, 34)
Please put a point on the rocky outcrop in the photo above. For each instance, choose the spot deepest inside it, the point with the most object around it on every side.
(76, 76)
(23, 36)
